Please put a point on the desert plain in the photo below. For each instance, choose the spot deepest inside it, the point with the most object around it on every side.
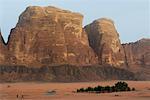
(66, 91)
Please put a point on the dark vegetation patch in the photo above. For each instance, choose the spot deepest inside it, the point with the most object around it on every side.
(118, 87)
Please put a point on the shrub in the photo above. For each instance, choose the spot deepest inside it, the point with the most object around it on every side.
(113, 88)
(119, 86)
(89, 89)
(81, 90)
(107, 88)
(133, 89)
(98, 88)
(128, 89)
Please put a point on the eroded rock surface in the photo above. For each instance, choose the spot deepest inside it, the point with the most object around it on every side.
(49, 36)
(63, 73)
(49, 44)
(104, 39)
(2, 50)
(138, 53)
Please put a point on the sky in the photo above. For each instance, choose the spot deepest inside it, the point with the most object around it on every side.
(131, 17)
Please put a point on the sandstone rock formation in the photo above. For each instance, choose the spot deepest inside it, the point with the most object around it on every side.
(137, 57)
(49, 44)
(104, 39)
(2, 50)
(49, 36)
(138, 53)
(63, 73)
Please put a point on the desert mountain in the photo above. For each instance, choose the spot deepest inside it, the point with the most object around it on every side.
(50, 36)
(104, 39)
(137, 57)
(138, 53)
(49, 44)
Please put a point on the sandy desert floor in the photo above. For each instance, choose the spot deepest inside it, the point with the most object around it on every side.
(64, 91)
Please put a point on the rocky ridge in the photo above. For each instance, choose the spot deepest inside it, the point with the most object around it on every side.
(50, 36)
(53, 40)
(137, 57)
(2, 49)
(104, 39)
(138, 53)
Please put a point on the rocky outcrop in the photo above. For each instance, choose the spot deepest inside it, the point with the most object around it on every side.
(104, 39)
(49, 44)
(138, 53)
(64, 73)
(2, 50)
(49, 36)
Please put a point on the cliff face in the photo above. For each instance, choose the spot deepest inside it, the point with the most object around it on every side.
(138, 53)
(63, 73)
(104, 39)
(49, 36)
(137, 57)
(49, 44)
(2, 50)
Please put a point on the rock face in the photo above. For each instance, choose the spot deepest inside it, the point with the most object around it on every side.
(138, 53)
(2, 50)
(49, 44)
(104, 39)
(49, 36)
(63, 73)
(137, 57)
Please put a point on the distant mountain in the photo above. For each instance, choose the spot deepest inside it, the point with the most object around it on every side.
(49, 44)
(137, 57)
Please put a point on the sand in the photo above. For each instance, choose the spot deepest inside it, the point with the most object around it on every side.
(64, 91)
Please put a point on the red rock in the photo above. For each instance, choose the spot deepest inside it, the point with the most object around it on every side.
(138, 53)
(104, 39)
(2, 50)
(53, 41)
(49, 36)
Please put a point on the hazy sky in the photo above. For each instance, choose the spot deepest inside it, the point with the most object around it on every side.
(131, 17)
